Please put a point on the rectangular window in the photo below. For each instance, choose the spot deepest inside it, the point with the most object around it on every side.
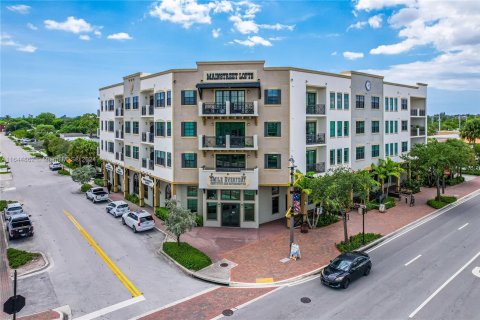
(169, 159)
(169, 129)
(162, 158)
(396, 148)
(375, 151)
(404, 104)
(110, 126)
(127, 127)
(395, 104)
(332, 129)
(189, 129)
(391, 104)
(101, 144)
(360, 127)
(339, 156)
(169, 98)
(249, 212)
(189, 97)
(101, 125)
(101, 105)
(375, 103)
(339, 128)
(272, 129)
(396, 126)
(386, 127)
(127, 103)
(386, 104)
(211, 211)
(346, 101)
(332, 157)
(273, 161)
(275, 191)
(128, 151)
(360, 101)
(192, 191)
(404, 125)
(192, 205)
(230, 194)
(404, 146)
(391, 126)
(346, 128)
(249, 195)
(375, 126)
(360, 153)
(273, 96)
(135, 127)
(135, 153)
(212, 194)
(339, 100)
(157, 157)
(189, 160)
(332, 100)
(135, 102)
(160, 129)
(275, 205)
(110, 147)
(386, 150)
(160, 100)
(346, 155)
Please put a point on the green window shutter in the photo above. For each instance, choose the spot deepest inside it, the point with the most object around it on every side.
(346, 155)
(339, 128)
(386, 126)
(346, 128)
(332, 129)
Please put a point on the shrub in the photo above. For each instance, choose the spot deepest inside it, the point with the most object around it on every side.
(326, 219)
(18, 258)
(199, 220)
(186, 255)
(26, 148)
(473, 172)
(162, 213)
(388, 201)
(412, 185)
(3, 166)
(64, 172)
(436, 204)
(456, 180)
(85, 187)
(133, 198)
(37, 155)
(356, 241)
(448, 199)
(99, 182)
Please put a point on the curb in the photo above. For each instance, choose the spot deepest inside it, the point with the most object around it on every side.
(37, 270)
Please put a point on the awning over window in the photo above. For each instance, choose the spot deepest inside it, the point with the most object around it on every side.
(228, 85)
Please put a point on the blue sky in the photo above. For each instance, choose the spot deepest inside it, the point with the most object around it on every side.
(55, 55)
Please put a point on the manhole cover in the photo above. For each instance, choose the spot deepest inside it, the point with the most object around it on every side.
(223, 264)
(227, 312)
(305, 300)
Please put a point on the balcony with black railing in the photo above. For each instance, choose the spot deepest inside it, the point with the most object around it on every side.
(119, 112)
(417, 112)
(417, 132)
(147, 137)
(144, 163)
(228, 109)
(317, 138)
(228, 142)
(119, 134)
(150, 165)
(316, 167)
(316, 110)
(119, 156)
(147, 111)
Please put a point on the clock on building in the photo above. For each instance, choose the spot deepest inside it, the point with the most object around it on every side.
(368, 85)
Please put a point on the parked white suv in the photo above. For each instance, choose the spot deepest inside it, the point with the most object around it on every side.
(55, 166)
(117, 208)
(12, 209)
(138, 221)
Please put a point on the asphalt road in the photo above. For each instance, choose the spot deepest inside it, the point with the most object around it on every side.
(438, 284)
(78, 276)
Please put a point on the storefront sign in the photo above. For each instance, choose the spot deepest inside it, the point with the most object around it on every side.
(119, 171)
(227, 180)
(147, 181)
(230, 75)
(108, 167)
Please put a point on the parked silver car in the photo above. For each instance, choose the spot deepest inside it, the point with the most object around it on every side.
(117, 208)
(138, 221)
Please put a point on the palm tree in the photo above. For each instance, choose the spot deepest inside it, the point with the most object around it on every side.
(380, 172)
(471, 130)
(393, 169)
(364, 184)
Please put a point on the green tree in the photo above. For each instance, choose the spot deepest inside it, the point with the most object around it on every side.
(319, 196)
(83, 174)
(88, 123)
(392, 169)
(18, 125)
(363, 184)
(461, 155)
(380, 172)
(42, 130)
(471, 130)
(44, 118)
(180, 220)
(83, 151)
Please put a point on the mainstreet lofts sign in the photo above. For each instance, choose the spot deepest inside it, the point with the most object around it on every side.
(230, 75)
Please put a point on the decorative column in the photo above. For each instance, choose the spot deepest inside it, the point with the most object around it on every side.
(156, 197)
(126, 182)
(141, 190)
(105, 174)
(115, 179)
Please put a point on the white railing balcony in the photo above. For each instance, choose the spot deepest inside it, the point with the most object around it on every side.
(228, 142)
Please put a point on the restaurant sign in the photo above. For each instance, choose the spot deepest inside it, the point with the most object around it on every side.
(230, 75)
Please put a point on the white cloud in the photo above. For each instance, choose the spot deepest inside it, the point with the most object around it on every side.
(185, 12)
(7, 40)
(98, 33)
(216, 33)
(31, 26)
(27, 48)
(352, 55)
(254, 41)
(376, 21)
(20, 8)
(277, 26)
(72, 25)
(334, 53)
(120, 36)
(84, 37)
(244, 26)
(276, 38)
(358, 25)
(369, 5)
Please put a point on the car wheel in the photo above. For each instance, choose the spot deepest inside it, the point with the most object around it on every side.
(345, 284)
(134, 229)
(367, 271)
(123, 221)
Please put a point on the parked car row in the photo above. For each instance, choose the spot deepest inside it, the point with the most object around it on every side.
(17, 221)
(97, 194)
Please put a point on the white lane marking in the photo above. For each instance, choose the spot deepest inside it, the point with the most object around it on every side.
(466, 224)
(476, 271)
(10, 189)
(111, 308)
(176, 302)
(406, 264)
(443, 286)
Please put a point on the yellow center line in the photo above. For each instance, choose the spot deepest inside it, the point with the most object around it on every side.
(123, 279)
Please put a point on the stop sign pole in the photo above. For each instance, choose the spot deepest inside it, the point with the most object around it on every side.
(15, 303)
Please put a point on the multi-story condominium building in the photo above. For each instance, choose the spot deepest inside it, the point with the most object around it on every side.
(218, 138)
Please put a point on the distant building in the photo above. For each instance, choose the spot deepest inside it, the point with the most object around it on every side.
(75, 136)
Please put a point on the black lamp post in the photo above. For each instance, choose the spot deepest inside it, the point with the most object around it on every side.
(364, 211)
(292, 193)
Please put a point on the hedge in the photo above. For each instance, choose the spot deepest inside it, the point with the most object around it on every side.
(18, 258)
(326, 219)
(444, 200)
(186, 255)
(162, 213)
(356, 241)
(133, 198)
(64, 172)
(448, 199)
(388, 201)
(85, 187)
(99, 182)
(456, 180)
(199, 220)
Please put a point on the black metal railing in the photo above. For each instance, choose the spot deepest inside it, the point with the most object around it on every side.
(422, 113)
(220, 108)
(316, 167)
(150, 137)
(241, 142)
(214, 142)
(318, 138)
(228, 169)
(119, 134)
(214, 108)
(414, 112)
(417, 132)
(316, 109)
(147, 110)
(119, 112)
(242, 108)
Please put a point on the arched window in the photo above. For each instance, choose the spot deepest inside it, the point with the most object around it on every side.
(135, 184)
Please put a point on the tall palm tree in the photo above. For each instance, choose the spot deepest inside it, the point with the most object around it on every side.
(380, 172)
(392, 169)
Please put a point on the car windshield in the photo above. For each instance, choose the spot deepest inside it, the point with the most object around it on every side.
(123, 206)
(145, 219)
(14, 208)
(341, 264)
(23, 223)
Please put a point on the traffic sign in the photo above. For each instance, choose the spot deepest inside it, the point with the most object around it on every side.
(14, 304)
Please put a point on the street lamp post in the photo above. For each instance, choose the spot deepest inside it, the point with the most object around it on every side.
(292, 193)
(364, 211)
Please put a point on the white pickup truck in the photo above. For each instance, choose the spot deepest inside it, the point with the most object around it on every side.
(12, 209)
(97, 194)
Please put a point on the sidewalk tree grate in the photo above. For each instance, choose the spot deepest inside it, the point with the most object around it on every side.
(305, 300)
(227, 312)
(223, 265)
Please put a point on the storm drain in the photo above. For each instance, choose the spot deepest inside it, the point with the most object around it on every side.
(227, 312)
(223, 265)
(305, 300)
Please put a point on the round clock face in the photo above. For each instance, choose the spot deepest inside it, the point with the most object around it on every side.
(368, 85)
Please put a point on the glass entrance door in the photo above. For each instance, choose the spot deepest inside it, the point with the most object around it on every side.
(230, 215)
(311, 98)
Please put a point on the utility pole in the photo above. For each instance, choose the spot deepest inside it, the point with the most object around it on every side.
(292, 194)
(439, 120)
